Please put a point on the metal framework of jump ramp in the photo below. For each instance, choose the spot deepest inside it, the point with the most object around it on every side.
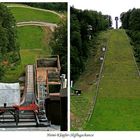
(30, 108)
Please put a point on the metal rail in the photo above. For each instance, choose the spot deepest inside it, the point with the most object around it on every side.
(97, 86)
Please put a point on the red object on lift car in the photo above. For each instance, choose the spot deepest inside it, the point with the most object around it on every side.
(30, 107)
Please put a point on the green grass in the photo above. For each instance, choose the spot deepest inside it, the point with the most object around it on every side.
(30, 37)
(81, 105)
(116, 114)
(79, 109)
(26, 14)
(33, 44)
(34, 38)
(118, 102)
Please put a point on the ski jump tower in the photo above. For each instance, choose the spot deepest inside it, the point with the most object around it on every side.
(116, 18)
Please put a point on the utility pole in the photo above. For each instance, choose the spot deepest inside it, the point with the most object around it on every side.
(116, 18)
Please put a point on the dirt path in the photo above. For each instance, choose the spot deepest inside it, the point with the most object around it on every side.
(37, 23)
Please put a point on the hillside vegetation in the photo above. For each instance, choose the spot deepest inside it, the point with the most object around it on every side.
(86, 45)
(85, 26)
(118, 102)
(33, 42)
(28, 14)
(59, 7)
(130, 22)
(9, 49)
(82, 105)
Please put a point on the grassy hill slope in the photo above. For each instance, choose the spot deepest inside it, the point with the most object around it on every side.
(27, 14)
(82, 105)
(118, 102)
(33, 43)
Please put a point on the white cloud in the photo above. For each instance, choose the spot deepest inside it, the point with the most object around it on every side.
(110, 7)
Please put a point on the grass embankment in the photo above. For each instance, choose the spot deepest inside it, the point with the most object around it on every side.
(118, 102)
(81, 105)
(33, 42)
(27, 14)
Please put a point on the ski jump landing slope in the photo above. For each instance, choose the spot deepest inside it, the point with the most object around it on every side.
(118, 102)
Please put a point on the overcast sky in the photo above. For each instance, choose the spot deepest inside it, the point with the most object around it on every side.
(110, 7)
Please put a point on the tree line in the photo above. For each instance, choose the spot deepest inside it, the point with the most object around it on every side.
(9, 49)
(84, 27)
(58, 6)
(131, 23)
